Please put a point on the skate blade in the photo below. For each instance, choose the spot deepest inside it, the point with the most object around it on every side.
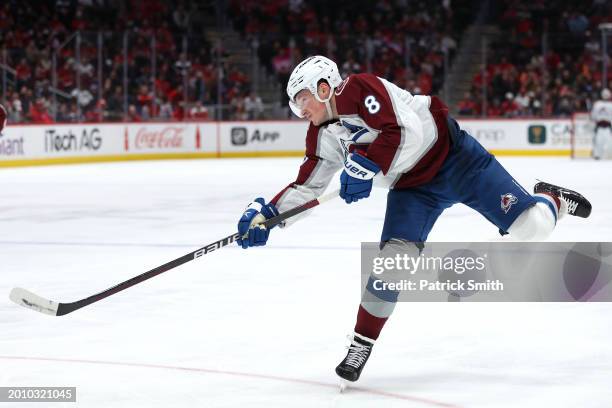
(343, 385)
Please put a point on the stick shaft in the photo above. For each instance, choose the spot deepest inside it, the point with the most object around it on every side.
(65, 308)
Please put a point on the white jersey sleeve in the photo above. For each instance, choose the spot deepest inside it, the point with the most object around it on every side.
(323, 159)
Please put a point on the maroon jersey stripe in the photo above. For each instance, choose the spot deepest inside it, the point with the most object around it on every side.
(307, 168)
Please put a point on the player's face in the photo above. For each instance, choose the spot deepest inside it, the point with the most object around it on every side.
(311, 109)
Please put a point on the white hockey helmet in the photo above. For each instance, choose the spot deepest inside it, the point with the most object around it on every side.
(307, 75)
(606, 94)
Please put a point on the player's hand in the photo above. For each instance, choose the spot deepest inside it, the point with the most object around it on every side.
(249, 231)
(356, 178)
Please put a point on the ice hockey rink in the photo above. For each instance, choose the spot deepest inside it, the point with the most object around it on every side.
(266, 327)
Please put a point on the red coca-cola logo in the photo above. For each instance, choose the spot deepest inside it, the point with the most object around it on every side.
(166, 138)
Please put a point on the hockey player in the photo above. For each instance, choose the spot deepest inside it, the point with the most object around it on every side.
(377, 132)
(601, 114)
(3, 118)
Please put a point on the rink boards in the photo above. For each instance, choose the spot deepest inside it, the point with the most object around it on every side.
(77, 143)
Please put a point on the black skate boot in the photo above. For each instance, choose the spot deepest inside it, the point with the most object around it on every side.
(576, 204)
(358, 353)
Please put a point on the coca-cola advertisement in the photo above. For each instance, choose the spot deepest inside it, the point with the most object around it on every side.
(160, 138)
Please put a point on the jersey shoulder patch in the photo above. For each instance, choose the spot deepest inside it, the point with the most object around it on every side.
(354, 94)
(353, 84)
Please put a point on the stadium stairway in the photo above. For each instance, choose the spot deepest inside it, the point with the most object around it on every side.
(240, 53)
(468, 62)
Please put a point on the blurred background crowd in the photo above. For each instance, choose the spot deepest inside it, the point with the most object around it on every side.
(139, 60)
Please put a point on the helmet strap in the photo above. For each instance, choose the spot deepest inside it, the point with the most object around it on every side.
(328, 108)
(330, 114)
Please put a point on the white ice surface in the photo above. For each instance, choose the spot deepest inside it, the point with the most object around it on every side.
(266, 327)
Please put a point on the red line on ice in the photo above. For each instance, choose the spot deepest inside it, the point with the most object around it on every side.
(239, 374)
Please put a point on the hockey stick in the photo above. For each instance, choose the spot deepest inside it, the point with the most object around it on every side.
(32, 301)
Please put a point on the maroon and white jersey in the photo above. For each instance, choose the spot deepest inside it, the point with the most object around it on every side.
(405, 135)
(602, 112)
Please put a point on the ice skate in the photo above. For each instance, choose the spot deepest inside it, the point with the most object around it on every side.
(358, 353)
(577, 205)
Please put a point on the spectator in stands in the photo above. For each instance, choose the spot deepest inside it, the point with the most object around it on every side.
(114, 105)
(62, 114)
(509, 107)
(523, 102)
(133, 115)
(494, 108)
(15, 109)
(468, 105)
(198, 111)
(144, 102)
(165, 110)
(239, 109)
(253, 106)
(39, 113)
(350, 66)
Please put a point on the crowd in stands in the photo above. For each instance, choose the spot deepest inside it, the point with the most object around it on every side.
(404, 41)
(547, 60)
(185, 81)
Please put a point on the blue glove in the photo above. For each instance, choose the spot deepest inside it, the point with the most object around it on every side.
(250, 233)
(356, 179)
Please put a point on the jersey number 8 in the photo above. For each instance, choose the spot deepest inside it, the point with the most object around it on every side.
(371, 104)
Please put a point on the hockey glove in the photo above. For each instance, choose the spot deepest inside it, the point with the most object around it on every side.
(356, 178)
(252, 234)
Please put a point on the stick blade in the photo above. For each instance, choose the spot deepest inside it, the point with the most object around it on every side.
(32, 301)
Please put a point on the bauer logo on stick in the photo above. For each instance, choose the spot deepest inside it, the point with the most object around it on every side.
(506, 202)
